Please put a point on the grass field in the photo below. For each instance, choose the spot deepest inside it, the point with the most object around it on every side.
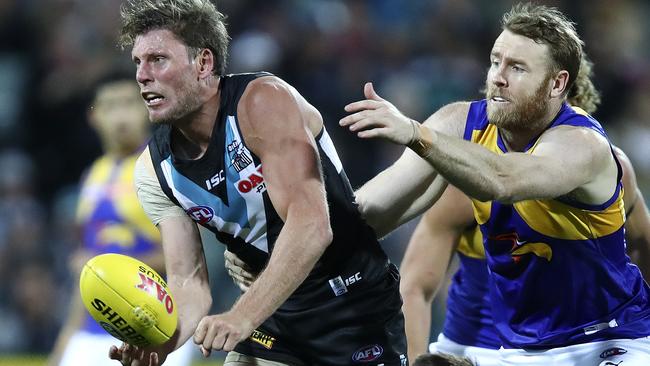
(40, 361)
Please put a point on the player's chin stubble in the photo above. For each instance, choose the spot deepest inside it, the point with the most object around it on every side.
(523, 112)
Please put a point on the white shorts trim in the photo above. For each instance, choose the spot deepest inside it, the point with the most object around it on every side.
(626, 352)
(479, 355)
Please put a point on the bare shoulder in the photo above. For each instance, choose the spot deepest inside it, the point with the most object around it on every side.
(271, 103)
(578, 138)
(450, 119)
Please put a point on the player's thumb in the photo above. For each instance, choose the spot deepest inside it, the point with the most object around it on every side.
(370, 93)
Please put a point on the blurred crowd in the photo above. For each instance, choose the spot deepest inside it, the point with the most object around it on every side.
(420, 54)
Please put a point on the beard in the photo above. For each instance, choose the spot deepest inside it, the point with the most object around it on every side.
(188, 102)
(521, 113)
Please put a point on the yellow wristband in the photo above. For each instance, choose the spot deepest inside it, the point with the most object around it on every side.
(422, 142)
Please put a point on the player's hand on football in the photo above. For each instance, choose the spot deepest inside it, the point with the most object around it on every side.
(377, 117)
(222, 332)
(130, 355)
(241, 273)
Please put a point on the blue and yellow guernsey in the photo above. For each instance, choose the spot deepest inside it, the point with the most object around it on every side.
(559, 272)
(469, 316)
(110, 215)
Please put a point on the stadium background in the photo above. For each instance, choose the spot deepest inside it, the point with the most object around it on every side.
(421, 54)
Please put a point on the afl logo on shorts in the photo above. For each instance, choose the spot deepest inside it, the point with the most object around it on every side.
(201, 214)
(614, 351)
(368, 353)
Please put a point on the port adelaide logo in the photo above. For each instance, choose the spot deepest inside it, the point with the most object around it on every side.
(239, 159)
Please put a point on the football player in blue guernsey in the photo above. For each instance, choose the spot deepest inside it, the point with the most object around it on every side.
(247, 157)
(109, 216)
(450, 226)
(546, 192)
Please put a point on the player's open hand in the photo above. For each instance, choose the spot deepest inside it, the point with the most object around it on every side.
(130, 355)
(241, 273)
(377, 117)
(222, 332)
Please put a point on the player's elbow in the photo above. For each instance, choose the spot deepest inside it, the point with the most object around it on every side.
(323, 234)
(413, 292)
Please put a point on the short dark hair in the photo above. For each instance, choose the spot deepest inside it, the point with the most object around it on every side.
(198, 23)
(550, 26)
(441, 359)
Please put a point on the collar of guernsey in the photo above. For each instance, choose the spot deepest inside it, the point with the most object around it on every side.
(559, 274)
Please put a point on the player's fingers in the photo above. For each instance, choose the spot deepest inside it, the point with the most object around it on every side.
(232, 257)
(114, 353)
(241, 275)
(351, 120)
(201, 330)
(374, 133)
(243, 286)
(126, 354)
(366, 123)
(205, 352)
(362, 105)
(231, 342)
(370, 93)
(213, 331)
(217, 342)
(153, 359)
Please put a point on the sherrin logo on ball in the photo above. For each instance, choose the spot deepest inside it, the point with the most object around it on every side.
(128, 299)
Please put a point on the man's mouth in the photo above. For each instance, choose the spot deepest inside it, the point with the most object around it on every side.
(152, 99)
(498, 99)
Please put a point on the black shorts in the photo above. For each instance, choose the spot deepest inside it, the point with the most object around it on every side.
(364, 328)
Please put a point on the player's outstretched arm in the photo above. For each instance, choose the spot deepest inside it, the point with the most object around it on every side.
(411, 185)
(484, 175)
(278, 125)
(426, 261)
(637, 222)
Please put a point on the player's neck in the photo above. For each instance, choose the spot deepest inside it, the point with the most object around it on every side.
(192, 135)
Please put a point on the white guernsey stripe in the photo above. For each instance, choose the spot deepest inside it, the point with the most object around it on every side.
(327, 145)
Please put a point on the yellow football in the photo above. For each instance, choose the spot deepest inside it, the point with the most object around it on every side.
(128, 299)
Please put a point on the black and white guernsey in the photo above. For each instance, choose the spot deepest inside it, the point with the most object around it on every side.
(225, 192)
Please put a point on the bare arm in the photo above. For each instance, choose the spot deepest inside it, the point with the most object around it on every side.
(187, 274)
(637, 222)
(426, 260)
(589, 175)
(278, 125)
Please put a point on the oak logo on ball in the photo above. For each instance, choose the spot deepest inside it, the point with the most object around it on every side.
(153, 288)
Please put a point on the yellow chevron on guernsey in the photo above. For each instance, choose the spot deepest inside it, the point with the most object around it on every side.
(541, 250)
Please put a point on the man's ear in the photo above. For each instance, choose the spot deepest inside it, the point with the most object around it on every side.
(205, 63)
(560, 83)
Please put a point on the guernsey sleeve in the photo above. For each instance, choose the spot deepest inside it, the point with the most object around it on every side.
(152, 198)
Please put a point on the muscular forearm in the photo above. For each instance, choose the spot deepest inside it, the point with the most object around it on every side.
(193, 301)
(475, 170)
(300, 244)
